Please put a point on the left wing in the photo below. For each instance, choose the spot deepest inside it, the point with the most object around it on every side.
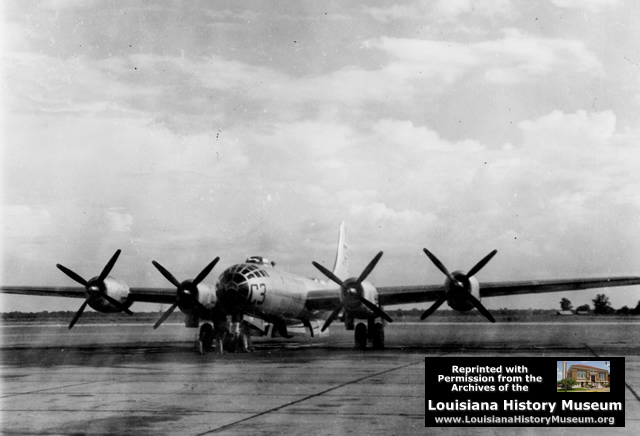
(46, 291)
(143, 295)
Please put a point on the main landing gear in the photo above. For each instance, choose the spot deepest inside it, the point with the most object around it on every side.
(237, 339)
(373, 331)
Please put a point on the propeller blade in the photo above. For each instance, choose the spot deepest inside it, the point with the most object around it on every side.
(73, 276)
(369, 268)
(433, 307)
(76, 317)
(167, 275)
(440, 266)
(481, 264)
(481, 308)
(117, 304)
(107, 268)
(329, 274)
(165, 315)
(205, 272)
(329, 320)
(375, 309)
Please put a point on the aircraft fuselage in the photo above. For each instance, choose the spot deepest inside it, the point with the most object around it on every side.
(265, 292)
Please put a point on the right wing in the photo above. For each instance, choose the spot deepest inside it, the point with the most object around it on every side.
(390, 295)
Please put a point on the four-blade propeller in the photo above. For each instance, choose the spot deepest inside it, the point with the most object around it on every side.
(459, 284)
(356, 286)
(187, 290)
(94, 287)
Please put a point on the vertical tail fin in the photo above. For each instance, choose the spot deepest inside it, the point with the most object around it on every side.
(341, 266)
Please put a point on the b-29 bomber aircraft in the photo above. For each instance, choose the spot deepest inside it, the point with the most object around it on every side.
(254, 295)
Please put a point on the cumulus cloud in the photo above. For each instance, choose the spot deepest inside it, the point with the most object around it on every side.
(68, 4)
(26, 221)
(420, 59)
(380, 215)
(590, 5)
(451, 10)
(119, 221)
(168, 89)
(223, 138)
(514, 58)
(404, 134)
(518, 57)
(443, 10)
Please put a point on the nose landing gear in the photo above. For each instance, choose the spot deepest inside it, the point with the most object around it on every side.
(230, 337)
(204, 340)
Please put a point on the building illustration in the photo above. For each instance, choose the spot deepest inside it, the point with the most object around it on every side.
(589, 375)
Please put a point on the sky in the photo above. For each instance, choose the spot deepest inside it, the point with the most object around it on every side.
(179, 132)
(602, 364)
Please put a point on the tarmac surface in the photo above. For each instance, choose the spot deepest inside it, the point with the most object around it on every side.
(130, 379)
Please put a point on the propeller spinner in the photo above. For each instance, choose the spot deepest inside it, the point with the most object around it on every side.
(187, 290)
(347, 286)
(460, 283)
(94, 287)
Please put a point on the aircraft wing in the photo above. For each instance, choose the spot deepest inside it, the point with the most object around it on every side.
(47, 291)
(144, 295)
(326, 299)
(329, 299)
(389, 295)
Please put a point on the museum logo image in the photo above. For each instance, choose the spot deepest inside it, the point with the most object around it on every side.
(589, 375)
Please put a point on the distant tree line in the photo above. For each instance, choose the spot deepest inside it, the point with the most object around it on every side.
(399, 313)
(601, 306)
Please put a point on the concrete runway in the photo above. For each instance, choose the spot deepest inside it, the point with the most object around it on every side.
(131, 379)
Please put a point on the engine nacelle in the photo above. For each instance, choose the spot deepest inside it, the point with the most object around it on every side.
(204, 294)
(207, 295)
(352, 303)
(457, 293)
(113, 288)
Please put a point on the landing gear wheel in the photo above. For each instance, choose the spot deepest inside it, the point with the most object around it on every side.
(230, 343)
(206, 337)
(361, 336)
(377, 336)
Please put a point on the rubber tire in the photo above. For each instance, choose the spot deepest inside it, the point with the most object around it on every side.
(361, 336)
(230, 343)
(377, 336)
(206, 336)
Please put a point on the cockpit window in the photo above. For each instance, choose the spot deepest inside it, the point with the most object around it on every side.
(246, 271)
